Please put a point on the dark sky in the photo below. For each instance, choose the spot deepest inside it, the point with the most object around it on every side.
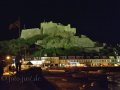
(98, 19)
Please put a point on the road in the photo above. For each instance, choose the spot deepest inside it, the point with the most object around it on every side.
(69, 83)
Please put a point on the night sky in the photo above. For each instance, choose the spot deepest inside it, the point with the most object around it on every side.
(98, 19)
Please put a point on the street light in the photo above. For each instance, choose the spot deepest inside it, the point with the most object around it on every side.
(8, 57)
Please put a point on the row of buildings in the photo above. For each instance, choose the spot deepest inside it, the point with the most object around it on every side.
(79, 61)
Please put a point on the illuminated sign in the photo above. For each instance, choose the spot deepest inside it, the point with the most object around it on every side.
(74, 63)
(37, 62)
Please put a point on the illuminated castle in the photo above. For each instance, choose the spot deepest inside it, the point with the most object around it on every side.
(59, 36)
(48, 28)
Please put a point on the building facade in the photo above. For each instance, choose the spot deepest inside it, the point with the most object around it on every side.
(79, 61)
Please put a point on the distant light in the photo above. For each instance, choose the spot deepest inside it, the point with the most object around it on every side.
(116, 65)
(8, 57)
(118, 60)
(45, 55)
